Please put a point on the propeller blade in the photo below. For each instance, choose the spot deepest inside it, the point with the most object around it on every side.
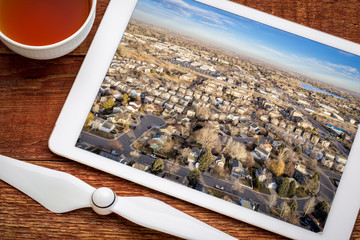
(57, 191)
(154, 214)
(61, 192)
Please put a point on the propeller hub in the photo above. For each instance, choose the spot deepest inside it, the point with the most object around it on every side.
(102, 200)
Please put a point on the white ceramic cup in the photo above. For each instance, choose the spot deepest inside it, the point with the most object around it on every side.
(57, 49)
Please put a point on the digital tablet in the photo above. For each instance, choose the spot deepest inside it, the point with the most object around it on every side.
(223, 106)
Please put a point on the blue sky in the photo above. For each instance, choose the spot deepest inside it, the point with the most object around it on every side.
(254, 39)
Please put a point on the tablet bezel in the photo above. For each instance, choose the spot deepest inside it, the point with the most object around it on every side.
(346, 202)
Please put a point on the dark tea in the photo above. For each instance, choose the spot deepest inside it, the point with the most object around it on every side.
(42, 22)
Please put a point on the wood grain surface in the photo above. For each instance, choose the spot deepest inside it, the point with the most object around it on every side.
(31, 97)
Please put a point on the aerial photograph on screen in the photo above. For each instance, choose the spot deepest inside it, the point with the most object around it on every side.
(230, 107)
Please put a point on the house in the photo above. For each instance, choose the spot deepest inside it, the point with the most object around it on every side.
(179, 108)
(135, 92)
(169, 105)
(237, 169)
(157, 141)
(134, 106)
(121, 118)
(275, 121)
(339, 166)
(276, 144)
(306, 135)
(104, 126)
(174, 99)
(340, 159)
(266, 146)
(315, 139)
(159, 101)
(194, 155)
(183, 102)
(190, 113)
(169, 130)
(149, 99)
(220, 161)
(165, 95)
(302, 169)
(264, 118)
(260, 154)
(327, 162)
(325, 143)
(263, 175)
(254, 129)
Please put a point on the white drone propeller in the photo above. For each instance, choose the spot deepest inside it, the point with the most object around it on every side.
(60, 192)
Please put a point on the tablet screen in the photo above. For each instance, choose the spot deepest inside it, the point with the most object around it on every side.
(230, 107)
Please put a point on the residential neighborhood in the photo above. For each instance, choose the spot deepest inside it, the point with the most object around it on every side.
(224, 124)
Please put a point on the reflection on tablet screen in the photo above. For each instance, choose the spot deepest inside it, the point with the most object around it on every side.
(231, 107)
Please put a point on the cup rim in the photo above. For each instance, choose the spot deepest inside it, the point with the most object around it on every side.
(53, 45)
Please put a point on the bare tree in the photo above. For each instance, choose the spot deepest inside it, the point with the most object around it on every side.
(175, 167)
(237, 186)
(309, 206)
(168, 146)
(234, 130)
(249, 161)
(284, 210)
(115, 145)
(203, 113)
(293, 218)
(235, 149)
(135, 154)
(185, 152)
(207, 137)
(272, 200)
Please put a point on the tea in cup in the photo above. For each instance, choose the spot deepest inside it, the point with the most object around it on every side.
(45, 29)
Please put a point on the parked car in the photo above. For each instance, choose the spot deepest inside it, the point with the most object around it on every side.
(219, 187)
(153, 156)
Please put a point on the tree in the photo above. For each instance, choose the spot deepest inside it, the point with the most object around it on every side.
(272, 200)
(256, 183)
(237, 186)
(203, 113)
(135, 154)
(193, 177)
(124, 99)
(109, 103)
(168, 146)
(284, 210)
(289, 169)
(293, 206)
(283, 188)
(311, 184)
(309, 206)
(235, 150)
(207, 137)
(89, 119)
(157, 166)
(276, 166)
(185, 153)
(115, 145)
(292, 189)
(205, 160)
(249, 161)
(175, 167)
(256, 142)
(321, 211)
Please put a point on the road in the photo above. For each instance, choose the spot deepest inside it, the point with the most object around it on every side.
(125, 139)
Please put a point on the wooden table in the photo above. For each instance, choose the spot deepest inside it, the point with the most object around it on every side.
(32, 94)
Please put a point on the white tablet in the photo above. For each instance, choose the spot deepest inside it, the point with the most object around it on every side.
(226, 107)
